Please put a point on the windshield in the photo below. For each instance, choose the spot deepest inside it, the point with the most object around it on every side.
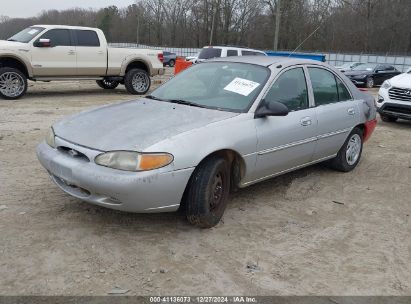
(365, 67)
(208, 53)
(224, 86)
(26, 35)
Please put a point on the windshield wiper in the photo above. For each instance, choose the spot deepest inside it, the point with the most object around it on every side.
(11, 39)
(185, 102)
(153, 97)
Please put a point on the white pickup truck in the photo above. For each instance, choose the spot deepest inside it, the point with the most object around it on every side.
(56, 52)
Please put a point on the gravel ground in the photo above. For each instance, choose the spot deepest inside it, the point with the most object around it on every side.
(314, 231)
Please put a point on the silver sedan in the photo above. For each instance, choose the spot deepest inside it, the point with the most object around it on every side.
(217, 126)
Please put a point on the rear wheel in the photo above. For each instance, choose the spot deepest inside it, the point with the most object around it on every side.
(13, 83)
(137, 82)
(387, 118)
(171, 63)
(369, 82)
(350, 153)
(107, 84)
(208, 192)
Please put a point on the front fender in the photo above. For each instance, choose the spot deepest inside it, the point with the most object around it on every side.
(21, 57)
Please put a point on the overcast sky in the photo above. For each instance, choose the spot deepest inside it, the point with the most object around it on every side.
(29, 8)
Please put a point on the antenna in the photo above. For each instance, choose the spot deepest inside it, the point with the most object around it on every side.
(304, 40)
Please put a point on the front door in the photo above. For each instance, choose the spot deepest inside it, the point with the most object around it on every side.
(337, 112)
(57, 59)
(289, 141)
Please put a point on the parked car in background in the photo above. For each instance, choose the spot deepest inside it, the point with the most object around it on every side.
(409, 70)
(209, 52)
(394, 98)
(169, 59)
(59, 52)
(371, 74)
(224, 124)
(348, 66)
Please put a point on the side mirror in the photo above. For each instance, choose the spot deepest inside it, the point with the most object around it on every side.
(43, 43)
(273, 108)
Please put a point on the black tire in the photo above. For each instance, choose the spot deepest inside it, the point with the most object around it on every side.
(17, 88)
(369, 83)
(387, 118)
(142, 82)
(208, 191)
(340, 162)
(171, 63)
(108, 84)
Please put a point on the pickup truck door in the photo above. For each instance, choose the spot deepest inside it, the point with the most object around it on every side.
(91, 53)
(286, 142)
(56, 59)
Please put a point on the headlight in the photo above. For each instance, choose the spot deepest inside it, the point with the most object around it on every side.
(133, 161)
(50, 138)
(386, 85)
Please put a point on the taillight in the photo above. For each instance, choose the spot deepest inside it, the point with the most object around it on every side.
(160, 57)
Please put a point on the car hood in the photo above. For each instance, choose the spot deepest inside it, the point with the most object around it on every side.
(134, 125)
(7, 45)
(359, 72)
(402, 81)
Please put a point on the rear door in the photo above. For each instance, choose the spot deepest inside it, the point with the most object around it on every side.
(91, 53)
(336, 111)
(289, 141)
(59, 59)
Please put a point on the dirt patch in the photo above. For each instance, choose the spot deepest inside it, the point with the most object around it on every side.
(280, 237)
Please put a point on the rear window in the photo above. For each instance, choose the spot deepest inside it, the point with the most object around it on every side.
(251, 53)
(208, 53)
(87, 38)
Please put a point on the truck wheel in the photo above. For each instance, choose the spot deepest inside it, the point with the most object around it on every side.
(107, 84)
(208, 191)
(350, 153)
(171, 63)
(137, 82)
(387, 118)
(13, 83)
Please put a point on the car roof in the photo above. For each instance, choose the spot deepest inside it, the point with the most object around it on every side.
(266, 60)
(53, 26)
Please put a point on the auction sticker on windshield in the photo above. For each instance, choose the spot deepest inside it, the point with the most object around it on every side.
(32, 32)
(241, 86)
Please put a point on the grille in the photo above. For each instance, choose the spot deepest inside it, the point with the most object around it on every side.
(400, 94)
(398, 109)
(73, 153)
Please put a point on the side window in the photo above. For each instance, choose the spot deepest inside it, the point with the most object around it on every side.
(232, 53)
(87, 38)
(343, 93)
(324, 86)
(250, 53)
(58, 37)
(290, 89)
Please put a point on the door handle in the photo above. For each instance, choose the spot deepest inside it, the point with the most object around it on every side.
(306, 121)
(351, 111)
(71, 52)
(100, 53)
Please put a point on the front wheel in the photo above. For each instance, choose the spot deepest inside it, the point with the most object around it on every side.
(369, 82)
(13, 83)
(171, 63)
(208, 192)
(107, 84)
(137, 82)
(350, 153)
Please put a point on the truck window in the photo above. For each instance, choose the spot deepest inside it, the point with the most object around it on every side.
(251, 53)
(87, 38)
(58, 37)
(208, 53)
(232, 53)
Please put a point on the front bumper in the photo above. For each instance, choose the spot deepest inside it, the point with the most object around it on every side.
(145, 192)
(396, 110)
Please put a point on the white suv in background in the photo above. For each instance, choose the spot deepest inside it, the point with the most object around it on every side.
(394, 98)
(209, 52)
